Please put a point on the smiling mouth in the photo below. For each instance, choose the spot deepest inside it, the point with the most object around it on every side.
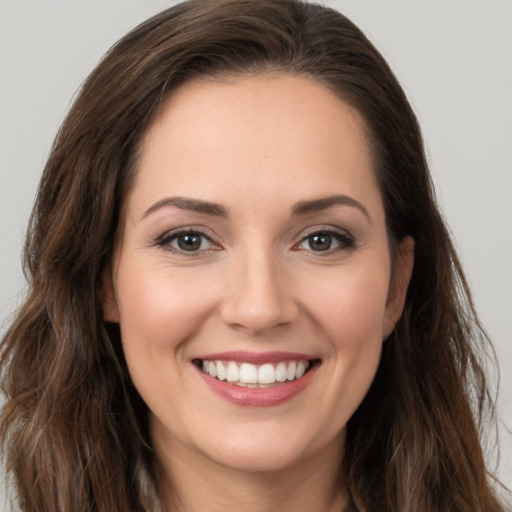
(250, 375)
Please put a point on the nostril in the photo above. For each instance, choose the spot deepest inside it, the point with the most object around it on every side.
(255, 318)
(257, 297)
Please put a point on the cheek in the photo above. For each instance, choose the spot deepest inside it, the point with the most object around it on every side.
(159, 312)
(352, 320)
(351, 307)
(350, 316)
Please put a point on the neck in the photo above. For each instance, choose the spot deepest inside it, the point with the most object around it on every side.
(190, 482)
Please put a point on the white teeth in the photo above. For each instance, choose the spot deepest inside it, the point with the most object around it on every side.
(250, 375)
(301, 369)
(266, 374)
(212, 369)
(221, 371)
(290, 372)
(281, 372)
(232, 372)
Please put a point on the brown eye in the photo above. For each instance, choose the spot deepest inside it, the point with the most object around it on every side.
(188, 241)
(323, 241)
(320, 242)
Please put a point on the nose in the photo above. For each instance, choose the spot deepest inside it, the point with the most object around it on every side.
(258, 297)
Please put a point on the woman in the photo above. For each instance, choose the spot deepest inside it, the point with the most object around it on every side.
(242, 293)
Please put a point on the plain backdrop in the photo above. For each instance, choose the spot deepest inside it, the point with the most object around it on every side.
(453, 58)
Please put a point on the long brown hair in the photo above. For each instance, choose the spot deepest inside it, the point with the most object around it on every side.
(74, 430)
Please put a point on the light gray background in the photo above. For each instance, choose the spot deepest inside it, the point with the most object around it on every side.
(453, 58)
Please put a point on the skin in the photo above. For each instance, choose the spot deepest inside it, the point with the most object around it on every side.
(256, 146)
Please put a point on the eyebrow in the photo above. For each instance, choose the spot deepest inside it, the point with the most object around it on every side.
(188, 204)
(316, 205)
(301, 208)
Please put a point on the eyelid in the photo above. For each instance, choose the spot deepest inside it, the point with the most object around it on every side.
(164, 240)
(325, 228)
(344, 237)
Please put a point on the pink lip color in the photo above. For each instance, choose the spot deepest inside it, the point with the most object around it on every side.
(255, 358)
(257, 397)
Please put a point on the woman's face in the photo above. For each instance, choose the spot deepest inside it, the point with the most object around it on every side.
(253, 283)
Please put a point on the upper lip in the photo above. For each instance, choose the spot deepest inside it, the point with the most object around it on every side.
(242, 356)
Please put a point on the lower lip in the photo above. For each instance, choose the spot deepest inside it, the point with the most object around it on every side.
(258, 397)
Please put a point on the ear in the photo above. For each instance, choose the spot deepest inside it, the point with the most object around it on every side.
(108, 298)
(399, 282)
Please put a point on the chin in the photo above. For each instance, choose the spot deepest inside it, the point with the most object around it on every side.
(256, 453)
(256, 460)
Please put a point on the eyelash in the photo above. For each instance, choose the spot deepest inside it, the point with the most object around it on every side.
(345, 241)
(166, 240)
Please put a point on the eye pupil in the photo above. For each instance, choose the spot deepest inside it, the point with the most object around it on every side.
(189, 242)
(320, 242)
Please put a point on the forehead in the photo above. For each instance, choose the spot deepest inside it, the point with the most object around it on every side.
(262, 133)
